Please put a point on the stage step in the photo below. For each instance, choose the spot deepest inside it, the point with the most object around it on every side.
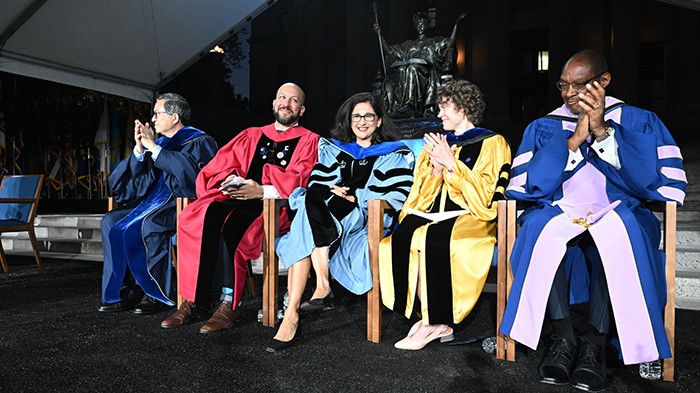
(75, 236)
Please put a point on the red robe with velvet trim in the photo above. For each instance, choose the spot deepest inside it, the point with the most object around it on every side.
(237, 155)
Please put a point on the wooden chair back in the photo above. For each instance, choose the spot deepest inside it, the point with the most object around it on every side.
(19, 201)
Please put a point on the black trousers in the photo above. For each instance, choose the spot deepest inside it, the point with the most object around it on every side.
(225, 223)
(558, 305)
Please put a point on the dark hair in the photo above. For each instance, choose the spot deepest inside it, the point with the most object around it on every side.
(175, 103)
(342, 130)
(466, 96)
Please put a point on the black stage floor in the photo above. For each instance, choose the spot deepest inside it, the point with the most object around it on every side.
(52, 339)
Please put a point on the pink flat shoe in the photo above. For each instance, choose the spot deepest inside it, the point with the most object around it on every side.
(445, 334)
(414, 328)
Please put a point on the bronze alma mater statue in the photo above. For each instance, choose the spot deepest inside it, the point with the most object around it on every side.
(414, 69)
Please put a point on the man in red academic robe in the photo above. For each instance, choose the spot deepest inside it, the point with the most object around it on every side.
(220, 231)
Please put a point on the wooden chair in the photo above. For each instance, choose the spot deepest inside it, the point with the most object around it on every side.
(19, 199)
(375, 235)
(668, 245)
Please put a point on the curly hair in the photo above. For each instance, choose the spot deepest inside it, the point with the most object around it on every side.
(466, 96)
(342, 130)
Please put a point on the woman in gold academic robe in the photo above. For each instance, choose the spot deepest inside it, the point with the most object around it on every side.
(437, 259)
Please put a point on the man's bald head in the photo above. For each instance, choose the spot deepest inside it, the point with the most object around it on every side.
(594, 60)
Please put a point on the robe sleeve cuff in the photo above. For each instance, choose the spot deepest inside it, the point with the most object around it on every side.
(139, 155)
(270, 192)
(156, 152)
(607, 150)
(574, 158)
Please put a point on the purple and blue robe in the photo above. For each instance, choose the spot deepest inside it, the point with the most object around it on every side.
(606, 198)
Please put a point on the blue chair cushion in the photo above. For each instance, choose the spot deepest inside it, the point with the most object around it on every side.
(17, 187)
(11, 223)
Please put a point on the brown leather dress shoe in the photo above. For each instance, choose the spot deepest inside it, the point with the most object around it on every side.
(222, 318)
(188, 312)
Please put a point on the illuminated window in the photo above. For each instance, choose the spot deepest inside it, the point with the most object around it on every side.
(543, 61)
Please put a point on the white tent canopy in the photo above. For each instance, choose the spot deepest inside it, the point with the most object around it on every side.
(129, 48)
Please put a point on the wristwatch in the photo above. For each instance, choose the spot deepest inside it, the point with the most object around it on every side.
(608, 131)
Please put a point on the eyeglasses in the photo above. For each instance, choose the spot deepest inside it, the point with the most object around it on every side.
(156, 113)
(369, 117)
(578, 86)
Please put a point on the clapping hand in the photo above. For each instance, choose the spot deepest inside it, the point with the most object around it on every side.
(440, 152)
(144, 136)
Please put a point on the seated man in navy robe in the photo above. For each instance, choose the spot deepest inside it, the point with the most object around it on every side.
(136, 237)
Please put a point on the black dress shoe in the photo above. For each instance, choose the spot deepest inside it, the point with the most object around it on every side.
(124, 305)
(275, 345)
(318, 304)
(589, 374)
(149, 305)
(556, 366)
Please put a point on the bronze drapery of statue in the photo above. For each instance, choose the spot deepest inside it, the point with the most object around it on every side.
(414, 69)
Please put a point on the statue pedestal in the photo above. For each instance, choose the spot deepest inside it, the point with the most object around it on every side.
(417, 127)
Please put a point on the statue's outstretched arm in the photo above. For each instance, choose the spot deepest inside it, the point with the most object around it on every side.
(453, 38)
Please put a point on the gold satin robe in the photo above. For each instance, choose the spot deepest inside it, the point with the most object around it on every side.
(472, 237)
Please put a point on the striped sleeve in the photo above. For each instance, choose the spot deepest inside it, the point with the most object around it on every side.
(652, 164)
(538, 166)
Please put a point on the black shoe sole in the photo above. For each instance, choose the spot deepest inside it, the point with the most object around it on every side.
(149, 311)
(108, 309)
(550, 381)
(276, 345)
(587, 388)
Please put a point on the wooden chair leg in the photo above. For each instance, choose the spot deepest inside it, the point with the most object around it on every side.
(35, 247)
(173, 250)
(375, 233)
(2, 258)
(670, 310)
(250, 282)
(501, 280)
(270, 264)
(511, 216)
(180, 205)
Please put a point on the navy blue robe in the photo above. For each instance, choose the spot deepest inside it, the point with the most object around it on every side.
(137, 235)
